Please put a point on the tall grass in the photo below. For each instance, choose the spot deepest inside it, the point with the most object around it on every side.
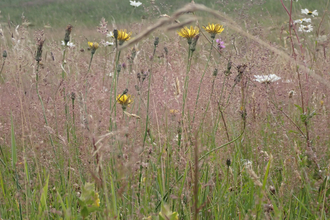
(247, 150)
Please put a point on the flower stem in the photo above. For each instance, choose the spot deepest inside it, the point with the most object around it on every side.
(185, 90)
(200, 83)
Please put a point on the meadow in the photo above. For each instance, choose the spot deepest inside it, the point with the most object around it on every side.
(164, 110)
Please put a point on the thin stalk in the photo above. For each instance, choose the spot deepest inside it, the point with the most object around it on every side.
(149, 84)
(42, 106)
(64, 96)
(200, 82)
(184, 96)
(3, 64)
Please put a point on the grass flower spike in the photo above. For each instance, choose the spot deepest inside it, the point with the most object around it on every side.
(124, 100)
(189, 33)
(123, 36)
(213, 29)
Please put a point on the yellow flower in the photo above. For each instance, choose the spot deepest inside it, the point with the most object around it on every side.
(173, 111)
(123, 36)
(188, 33)
(97, 200)
(93, 45)
(213, 29)
(124, 100)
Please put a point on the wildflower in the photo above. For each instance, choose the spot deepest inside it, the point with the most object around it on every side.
(93, 46)
(213, 29)
(266, 78)
(106, 43)
(174, 111)
(194, 42)
(67, 34)
(189, 33)
(69, 44)
(300, 21)
(96, 200)
(123, 36)
(110, 34)
(307, 28)
(220, 44)
(40, 42)
(124, 100)
(308, 12)
(135, 4)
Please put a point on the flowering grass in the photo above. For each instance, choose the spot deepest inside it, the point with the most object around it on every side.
(148, 126)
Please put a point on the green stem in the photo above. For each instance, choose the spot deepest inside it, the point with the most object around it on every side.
(200, 83)
(185, 91)
(44, 112)
(64, 96)
(149, 84)
(3, 64)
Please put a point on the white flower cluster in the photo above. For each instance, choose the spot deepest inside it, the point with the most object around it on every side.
(303, 27)
(266, 78)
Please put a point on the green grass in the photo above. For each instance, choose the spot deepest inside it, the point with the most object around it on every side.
(84, 13)
(65, 156)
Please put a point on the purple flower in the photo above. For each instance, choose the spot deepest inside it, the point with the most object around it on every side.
(220, 44)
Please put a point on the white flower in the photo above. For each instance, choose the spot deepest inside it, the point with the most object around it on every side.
(107, 43)
(70, 44)
(247, 163)
(304, 28)
(300, 21)
(110, 34)
(135, 4)
(308, 12)
(266, 78)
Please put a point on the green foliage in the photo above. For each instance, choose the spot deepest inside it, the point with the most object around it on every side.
(89, 200)
(166, 214)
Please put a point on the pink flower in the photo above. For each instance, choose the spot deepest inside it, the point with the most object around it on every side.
(220, 44)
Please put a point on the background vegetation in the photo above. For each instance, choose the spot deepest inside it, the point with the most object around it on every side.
(238, 149)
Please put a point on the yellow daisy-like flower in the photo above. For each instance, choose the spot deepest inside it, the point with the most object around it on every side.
(93, 46)
(124, 100)
(123, 36)
(188, 33)
(213, 29)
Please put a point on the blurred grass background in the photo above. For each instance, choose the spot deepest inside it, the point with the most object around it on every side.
(87, 13)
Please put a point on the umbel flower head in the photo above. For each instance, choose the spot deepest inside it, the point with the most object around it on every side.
(266, 78)
(123, 36)
(124, 100)
(213, 29)
(93, 46)
(189, 33)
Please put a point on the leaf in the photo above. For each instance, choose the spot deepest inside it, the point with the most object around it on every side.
(13, 144)
(299, 108)
(43, 198)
